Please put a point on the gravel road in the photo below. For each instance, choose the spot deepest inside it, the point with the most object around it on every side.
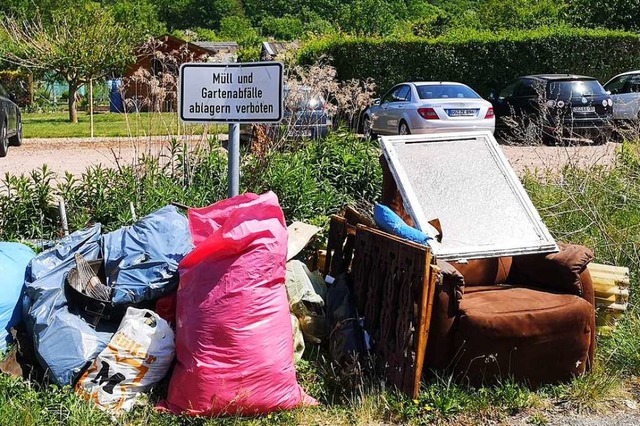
(75, 155)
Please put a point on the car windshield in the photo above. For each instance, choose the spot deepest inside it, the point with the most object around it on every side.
(575, 89)
(444, 91)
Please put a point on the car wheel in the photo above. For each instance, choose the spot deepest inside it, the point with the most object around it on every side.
(601, 138)
(367, 130)
(17, 139)
(4, 142)
(403, 129)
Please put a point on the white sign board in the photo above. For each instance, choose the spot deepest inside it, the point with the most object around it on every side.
(249, 92)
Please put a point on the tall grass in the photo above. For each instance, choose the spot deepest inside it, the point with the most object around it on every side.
(138, 124)
(313, 180)
(600, 208)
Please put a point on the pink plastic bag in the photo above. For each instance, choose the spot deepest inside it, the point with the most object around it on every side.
(233, 338)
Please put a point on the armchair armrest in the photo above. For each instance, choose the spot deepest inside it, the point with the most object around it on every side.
(448, 293)
(559, 271)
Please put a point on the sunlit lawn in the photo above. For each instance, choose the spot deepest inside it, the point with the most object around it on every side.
(57, 125)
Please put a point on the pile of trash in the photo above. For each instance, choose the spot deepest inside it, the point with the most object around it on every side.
(213, 303)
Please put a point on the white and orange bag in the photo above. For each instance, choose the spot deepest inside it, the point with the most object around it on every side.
(138, 356)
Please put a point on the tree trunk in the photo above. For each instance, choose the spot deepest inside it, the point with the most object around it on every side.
(91, 105)
(73, 111)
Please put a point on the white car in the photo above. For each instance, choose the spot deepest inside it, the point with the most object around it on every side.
(428, 107)
(625, 93)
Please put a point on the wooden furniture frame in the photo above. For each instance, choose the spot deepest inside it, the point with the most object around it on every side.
(394, 282)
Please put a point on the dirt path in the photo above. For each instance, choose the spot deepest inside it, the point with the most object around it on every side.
(75, 155)
(538, 159)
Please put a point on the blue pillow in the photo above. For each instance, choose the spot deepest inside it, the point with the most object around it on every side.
(388, 221)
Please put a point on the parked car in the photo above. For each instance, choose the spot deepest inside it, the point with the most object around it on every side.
(306, 116)
(625, 93)
(10, 122)
(559, 105)
(428, 107)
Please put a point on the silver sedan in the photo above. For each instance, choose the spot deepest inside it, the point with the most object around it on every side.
(428, 107)
(625, 93)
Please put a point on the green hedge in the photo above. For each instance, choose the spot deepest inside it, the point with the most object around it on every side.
(18, 83)
(482, 60)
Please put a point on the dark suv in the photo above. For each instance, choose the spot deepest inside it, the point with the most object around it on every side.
(557, 105)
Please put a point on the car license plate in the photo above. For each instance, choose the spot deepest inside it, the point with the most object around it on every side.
(462, 112)
(584, 109)
(301, 133)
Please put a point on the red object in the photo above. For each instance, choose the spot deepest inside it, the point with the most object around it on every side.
(166, 308)
(234, 342)
(489, 113)
(428, 113)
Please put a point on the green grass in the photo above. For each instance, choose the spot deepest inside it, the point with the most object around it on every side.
(57, 125)
(597, 207)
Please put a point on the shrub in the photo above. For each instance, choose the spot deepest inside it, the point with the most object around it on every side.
(312, 180)
(19, 83)
(483, 60)
(285, 28)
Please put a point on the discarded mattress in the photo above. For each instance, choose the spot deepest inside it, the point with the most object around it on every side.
(14, 259)
(234, 342)
(135, 258)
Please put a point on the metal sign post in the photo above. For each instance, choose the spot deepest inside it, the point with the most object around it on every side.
(234, 93)
(234, 159)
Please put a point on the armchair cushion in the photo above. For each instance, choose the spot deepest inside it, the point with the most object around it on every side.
(558, 272)
(483, 272)
(534, 336)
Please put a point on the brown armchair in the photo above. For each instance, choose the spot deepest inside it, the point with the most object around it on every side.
(529, 317)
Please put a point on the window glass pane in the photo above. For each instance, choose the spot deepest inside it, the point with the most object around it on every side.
(633, 85)
(530, 88)
(616, 85)
(507, 92)
(575, 89)
(445, 91)
(403, 93)
(389, 96)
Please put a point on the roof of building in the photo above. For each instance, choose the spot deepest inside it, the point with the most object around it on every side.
(216, 46)
(273, 48)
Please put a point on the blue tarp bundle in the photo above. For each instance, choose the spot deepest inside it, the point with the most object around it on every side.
(141, 262)
(14, 259)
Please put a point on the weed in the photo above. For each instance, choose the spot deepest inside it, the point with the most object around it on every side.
(538, 419)
(591, 392)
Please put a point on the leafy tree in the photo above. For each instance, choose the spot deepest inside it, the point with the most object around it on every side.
(498, 15)
(81, 44)
(367, 17)
(182, 14)
(140, 17)
(239, 29)
(318, 26)
(611, 14)
(285, 28)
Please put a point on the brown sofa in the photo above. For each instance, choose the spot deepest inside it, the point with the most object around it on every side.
(529, 317)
